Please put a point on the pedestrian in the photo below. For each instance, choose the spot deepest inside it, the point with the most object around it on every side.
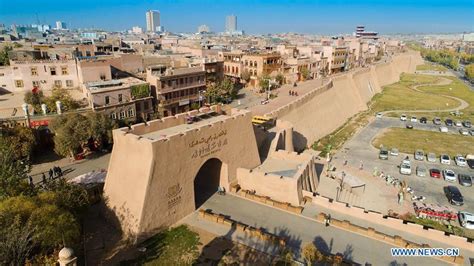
(60, 171)
(361, 167)
(30, 179)
(289, 93)
(50, 173)
(328, 219)
(43, 177)
(296, 93)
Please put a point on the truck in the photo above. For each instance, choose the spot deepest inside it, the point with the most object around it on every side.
(470, 160)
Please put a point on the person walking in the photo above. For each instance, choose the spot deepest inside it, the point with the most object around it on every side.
(361, 166)
(30, 180)
(51, 174)
(60, 171)
(43, 177)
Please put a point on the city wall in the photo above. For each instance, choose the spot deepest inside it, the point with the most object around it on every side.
(328, 107)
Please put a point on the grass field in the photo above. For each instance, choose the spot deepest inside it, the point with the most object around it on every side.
(432, 67)
(409, 140)
(400, 96)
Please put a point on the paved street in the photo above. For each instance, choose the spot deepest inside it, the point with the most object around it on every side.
(301, 230)
(359, 148)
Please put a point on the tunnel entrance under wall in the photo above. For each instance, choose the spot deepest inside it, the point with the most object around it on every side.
(207, 181)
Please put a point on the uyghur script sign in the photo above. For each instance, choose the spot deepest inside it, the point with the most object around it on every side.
(206, 146)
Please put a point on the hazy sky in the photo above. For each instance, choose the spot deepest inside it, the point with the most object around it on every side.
(263, 16)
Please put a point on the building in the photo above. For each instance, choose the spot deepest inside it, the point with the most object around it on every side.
(176, 88)
(362, 33)
(231, 24)
(137, 30)
(124, 99)
(203, 29)
(261, 64)
(61, 25)
(152, 20)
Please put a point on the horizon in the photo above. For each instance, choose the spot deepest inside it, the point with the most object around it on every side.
(295, 16)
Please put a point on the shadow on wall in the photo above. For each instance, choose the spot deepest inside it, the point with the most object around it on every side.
(319, 170)
(326, 249)
(264, 141)
(300, 142)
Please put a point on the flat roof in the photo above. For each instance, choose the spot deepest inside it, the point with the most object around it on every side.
(203, 119)
(282, 167)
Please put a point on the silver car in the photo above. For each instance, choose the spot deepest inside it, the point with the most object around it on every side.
(431, 157)
(421, 171)
(419, 155)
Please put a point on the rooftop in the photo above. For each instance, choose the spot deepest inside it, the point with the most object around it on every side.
(115, 84)
(281, 167)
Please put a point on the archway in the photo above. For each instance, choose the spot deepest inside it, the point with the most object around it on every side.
(206, 181)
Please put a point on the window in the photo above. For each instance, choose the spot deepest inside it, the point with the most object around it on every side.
(2, 74)
(69, 83)
(102, 76)
(58, 83)
(120, 98)
(52, 70)
(64, 70)
(107, 100)
(36, 83)
(122, 115)
(34, 71)
(19, 83)
(130, 113)
(113, 116)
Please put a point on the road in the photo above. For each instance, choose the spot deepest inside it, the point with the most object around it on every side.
(359, 148)
(301, 230)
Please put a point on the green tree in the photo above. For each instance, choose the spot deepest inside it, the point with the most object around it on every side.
(469, 72)
(221, 91)
(21, 139)
(13, 171)
(304, 73)
(245, 75)
(67, 196)
(4, 58)
(309, 253)
(35, 99)
(71, 132)
(264, 83)
(62, 95)
(280, 78)
(100, 128)
(16, 242)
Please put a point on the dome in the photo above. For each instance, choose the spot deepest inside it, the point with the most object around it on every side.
(66, 253)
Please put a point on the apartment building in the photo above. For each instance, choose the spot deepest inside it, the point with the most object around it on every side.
(44, 74)
(124, 99)
(232, 64)
(176, 88)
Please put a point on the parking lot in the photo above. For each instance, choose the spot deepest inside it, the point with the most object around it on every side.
(359, 150)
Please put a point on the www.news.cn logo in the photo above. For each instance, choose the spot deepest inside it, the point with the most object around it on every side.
(424, 252)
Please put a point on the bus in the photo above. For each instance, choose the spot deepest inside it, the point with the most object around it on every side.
(265, 122)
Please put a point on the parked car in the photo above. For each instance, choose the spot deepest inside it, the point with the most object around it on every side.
(405, 169)
(394, 152)
(449, 122)
(443, 129)
(470, 160)
(423, 120)
(467, 124)
(263, 102)
(460, 160)
(449, 175)
(378, 115)
(419, 155)
(435, 173)
(409, 126)
(471, 132)
(465, 180)
(431, 157)
(464, 132)
(466, 220)
(454, 195)
(383, 154)
(458, 124)
(413, 119)
(421, 171)
(445, 159)
(403, 117)
(437, 121)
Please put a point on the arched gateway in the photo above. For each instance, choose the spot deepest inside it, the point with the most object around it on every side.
(162, 171)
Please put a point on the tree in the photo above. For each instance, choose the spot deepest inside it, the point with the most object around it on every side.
(309, 253)
(100, 128)
(59, 94)
(4, 58)
(280, 78)
(34, 98)
(469, 72)
(21, 139)
(245, 75)
(16, 242)
(71, 132)
(221, 91)
(304, 73)
(264, 83)
(13, 171)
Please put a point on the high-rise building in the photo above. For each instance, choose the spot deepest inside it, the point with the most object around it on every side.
(60, 25)
(231, 23)
(152, 20)
(203, 29)
(137, 30)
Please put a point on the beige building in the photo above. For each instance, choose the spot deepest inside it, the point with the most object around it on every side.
(123, 99)
(176, 88)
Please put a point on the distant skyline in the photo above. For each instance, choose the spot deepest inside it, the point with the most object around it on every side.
(263, 16)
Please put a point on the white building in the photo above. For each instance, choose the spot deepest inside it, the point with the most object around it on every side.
(203, 29)
(231, 23)
(137, 30)
(60, 25)
(152, 20)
